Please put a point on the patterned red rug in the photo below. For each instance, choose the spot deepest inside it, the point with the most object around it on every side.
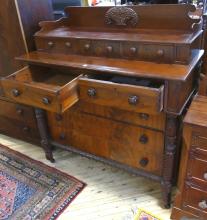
(32, 190)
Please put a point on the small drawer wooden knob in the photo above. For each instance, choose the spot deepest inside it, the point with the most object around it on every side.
(26, 129)
(68, 44)
(46, 101)
(202, 204)
(133, 100)
(62, 136)
(87, 46)
(143, 162)
(91, 92)
(133, 50)
(160, 53)
(16, 92)
(58, 117)
(144, 116)
(50, 44)
(205, 176)
(20, 111)
(109, 49)
(143, 139)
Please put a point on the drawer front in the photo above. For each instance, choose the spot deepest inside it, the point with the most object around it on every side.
(132, 145)
(199, 142)
(122, 96)
(195, 201)
(23, 88)
(197, 169)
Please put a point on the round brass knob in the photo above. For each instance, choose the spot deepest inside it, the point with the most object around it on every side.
(46, 101)
(16, 92)
(160, 53)
(205, 176)
(68, 44)
(133, 100)
(109, 49)
(143, 139)
(91, 92)
(144, 116)
(87, 46)
(143, 162)
(133, 50)
(202, 204)
(50, 44)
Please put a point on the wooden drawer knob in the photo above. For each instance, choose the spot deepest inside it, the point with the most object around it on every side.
(202, 204)
(26, 129)
(143, 139)
(15, 92)
(160, 53)
(143, 162)
(133, 50)
(87, 46)
(62, 136)
(20, 111)
(50, 44)
(133, 100)
(144, 116)
(109, 49)
(46, 101)
(91, 92)
(58, 117)
(68, 44)
(205, 176)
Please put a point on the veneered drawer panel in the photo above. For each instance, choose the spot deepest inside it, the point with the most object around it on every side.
(199, 142)
(108, 92)
(132, 145)
(195, 201)
(42, 87)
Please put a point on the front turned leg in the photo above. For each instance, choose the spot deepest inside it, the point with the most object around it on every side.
(44, 134)
(169, 158)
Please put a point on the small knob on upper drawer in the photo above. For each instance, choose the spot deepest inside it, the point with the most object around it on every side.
(26, 129)
(91, 92)
(68, 44)
(143, 139)
(46, 101)
(144, 116)
(143, 162)
(87, 46)
(133, 50)
(109, 49)
(50, 44)
(160, 53)
(133, 100)
(202, 204)
(205, 176)
(15, 92)
(20, 111)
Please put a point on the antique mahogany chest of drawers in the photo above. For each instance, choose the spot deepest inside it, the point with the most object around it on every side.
(191, 200)
(114, 82)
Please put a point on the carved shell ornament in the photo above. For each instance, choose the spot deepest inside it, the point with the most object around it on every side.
(121, 16)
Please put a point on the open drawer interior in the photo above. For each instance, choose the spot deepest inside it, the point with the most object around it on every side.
(128, 93)
(53, 89)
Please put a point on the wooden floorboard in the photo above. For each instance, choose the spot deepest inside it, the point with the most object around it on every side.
(111, 193)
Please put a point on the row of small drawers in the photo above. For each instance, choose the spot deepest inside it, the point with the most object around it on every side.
(129, 50)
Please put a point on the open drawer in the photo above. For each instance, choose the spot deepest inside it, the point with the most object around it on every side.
(137, 95)
(50, 89)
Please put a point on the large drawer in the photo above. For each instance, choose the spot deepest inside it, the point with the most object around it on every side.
(137, 95)
(49, 89)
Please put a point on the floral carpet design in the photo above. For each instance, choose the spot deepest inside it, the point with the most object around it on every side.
(31, 190)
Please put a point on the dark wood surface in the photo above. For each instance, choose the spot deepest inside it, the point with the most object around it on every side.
(191, 199)
(122, 84)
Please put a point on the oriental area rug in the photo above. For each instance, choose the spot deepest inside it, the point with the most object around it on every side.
(31, 190)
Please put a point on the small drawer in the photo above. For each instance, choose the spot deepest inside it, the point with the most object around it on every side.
(122, 93)
(50, 89)
(195, 200)
(197, 169)
(199, 142)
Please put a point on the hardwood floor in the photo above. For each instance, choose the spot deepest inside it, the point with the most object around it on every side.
(111, 194)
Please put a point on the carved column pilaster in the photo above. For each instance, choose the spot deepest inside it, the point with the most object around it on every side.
(169, 157)
(44, 134)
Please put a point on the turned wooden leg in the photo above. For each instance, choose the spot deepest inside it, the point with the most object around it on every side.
(44, 134)
(169, 157)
